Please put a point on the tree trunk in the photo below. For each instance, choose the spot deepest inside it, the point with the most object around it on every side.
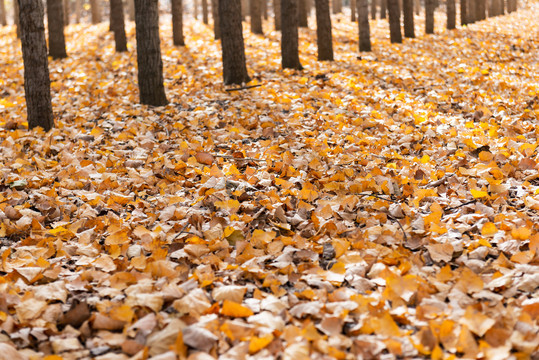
(429, 16)
(394, 21)
(451, 14)
(289, 35)
(363, 25)
(277, 14)
(16, 19)
(232, 47)
(417, 6)
(205, 12)
(493, 8)
(303, 14)
(96, 11)
(373, 9)
(265, 9)
(117, 21)
(337, 6)
(150, 64)
(353, 8)
(472, 11)
(463, 12)
(245, 9)
(37, 85)
(215, 16)
(55, 17)
(324, 37)
(131, 10)
(3, 18)
(408, 13)
(481, 7)
(78, 11)
(66, 12)
(177, 22)
(256, 17)
(383, 9)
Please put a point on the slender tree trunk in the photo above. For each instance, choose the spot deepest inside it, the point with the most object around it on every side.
(373, 9)
(265, 9)
(205, 12)
(256, 17)
(277, 14)
(16, 18)
(215, 16)
(55, 17)
(117, 20)
(37, 86)
(353, 10)
(408, 14)
(177, 22)
(3, 18)
(66, 12)
(417, 5)
(394, 21)
(472, 11)
(131, 10)
(303, 14)
(492, 10)
(150, 64)
(451, 14)
(289, 35)
(337, 6)
(324, 37)
(481, 10)
(383, 9)
(232, 46)
(245, 10)
(363, 25)
(429, 16)
(463, 12)
(96, 11)
(78, 11)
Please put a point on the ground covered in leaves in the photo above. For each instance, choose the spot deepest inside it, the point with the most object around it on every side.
(384, 205)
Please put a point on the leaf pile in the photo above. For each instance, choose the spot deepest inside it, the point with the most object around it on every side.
(380, 206)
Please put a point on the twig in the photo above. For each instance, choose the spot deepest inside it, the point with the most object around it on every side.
(400, 225)
(461, 205)
(235, 158)
(439, 181)
(376, 196)
(181, 231)
(243, 88)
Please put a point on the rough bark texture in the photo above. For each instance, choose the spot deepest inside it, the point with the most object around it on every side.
(256, 17)
(463, 12)
(353, 8)
(66, 12)
(131, 10)
(233, 50)
(55, 17)
(303, 14)
(96, 11)
(337, 6)
(373, 9)
(429, 16)
(78, 11)
(117, 22)
(150, 64)
(363, 25)
(289, 35)
(16, 18)
(205, 12)
(394, 21)
(277, 14)
(383, 9)
(324, 37)
(3, 17)
(451, 14)
(177, 22)
(37, 86)
(408, 14)
(215, 16)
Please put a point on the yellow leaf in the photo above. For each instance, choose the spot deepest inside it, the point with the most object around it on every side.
(258, 343)
(522, 233)
(478, 193)
(233, 309)
(489, 229)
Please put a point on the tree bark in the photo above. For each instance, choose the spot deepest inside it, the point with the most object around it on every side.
(408, 14)
(37, 86)
(394, 21)
(96, 11)
(353, 8)
(324, 36)
(150, 64)
(16, 19)
(78, 11)
(117, 21)
(451, 14)
(417, 6)
(3, 18)
(363, 25)
(55, 17)
(373, 9)
(265, 9)
(245, 10)
(195, 9)
(337, 6)
(277, 14)
(472, 11)
(383, 9)
(303, 14)
(256, 17)
(205, 12)
(131, 10)
(289, 35)
(66, 12)
(215, 16)
(463, 12)
(429, 16)
(232, 46)
(177, 22)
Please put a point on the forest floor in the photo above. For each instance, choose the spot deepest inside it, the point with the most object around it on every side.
(381, 206)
